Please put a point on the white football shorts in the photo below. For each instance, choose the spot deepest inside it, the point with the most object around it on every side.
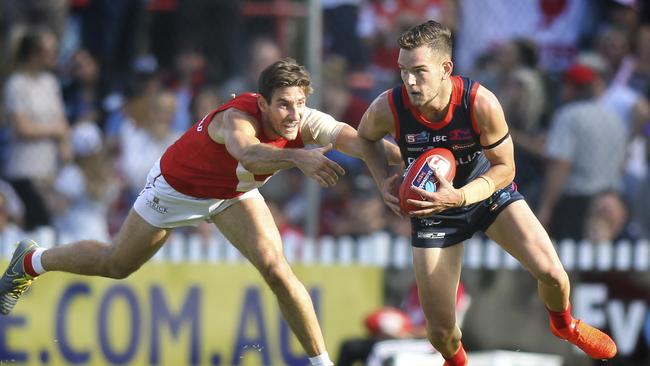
(162, 206)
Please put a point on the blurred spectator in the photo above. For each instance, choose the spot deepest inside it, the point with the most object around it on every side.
(84, 188)
(214, 29)
(14, 207)
(142, 144)
(339, 101)
(586, 151)
(640, 78)
(292, 236)
(33, 103)
(556, 26)
(262, 52)
(163, 31)
(613, 45)
(337, 98)
(10, 233)
(606, 218)
(352, 207)
(407, 324)
(188, 79)
(110, 30)
(48, 13)
(205, 100)
(633, 109)
(382, 21)
(81, 94)
(519, 84)
(641, 198)
(340, 18)
(132, 111)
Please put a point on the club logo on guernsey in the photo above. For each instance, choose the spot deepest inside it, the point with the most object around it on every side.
(460, 134)
(417, 138)
(154, 203)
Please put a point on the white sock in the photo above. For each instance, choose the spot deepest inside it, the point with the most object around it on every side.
(321, 360)
(36, 261)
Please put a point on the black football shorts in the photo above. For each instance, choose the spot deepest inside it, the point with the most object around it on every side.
(446, 229)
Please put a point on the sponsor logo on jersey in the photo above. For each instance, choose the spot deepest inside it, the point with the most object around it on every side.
(468, 158)
(430, 222)
(463, 146)
(154, 203)
(417, 138)
(460, 134)
(430, 235)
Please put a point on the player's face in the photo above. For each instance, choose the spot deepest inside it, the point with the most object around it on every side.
(283, 114)
(422, 72)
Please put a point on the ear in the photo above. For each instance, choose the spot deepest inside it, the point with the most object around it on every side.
(447, 68)
(262, 103)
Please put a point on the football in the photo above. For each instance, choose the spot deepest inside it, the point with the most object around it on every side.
(420, 174)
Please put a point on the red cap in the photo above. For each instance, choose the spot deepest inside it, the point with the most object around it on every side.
(579, 75)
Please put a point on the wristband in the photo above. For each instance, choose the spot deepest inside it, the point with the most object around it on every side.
(477, 190)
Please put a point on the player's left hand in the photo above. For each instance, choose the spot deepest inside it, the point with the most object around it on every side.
(445, 197)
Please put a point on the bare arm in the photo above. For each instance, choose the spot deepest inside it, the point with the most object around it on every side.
(350, 143)
(25, 128)
(239, 131)
(376, 123)
(492, 125)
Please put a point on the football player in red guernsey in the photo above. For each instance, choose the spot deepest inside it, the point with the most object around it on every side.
(435, 109)
(212, 173)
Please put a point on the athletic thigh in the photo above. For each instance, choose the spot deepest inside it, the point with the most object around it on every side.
(437, 272)
(249, 226)
(518, 231)
(137, 241)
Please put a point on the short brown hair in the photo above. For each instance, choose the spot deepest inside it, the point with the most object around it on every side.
(283, 73)
(430, 33)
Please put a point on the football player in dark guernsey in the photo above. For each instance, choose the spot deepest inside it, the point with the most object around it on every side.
(433, 108)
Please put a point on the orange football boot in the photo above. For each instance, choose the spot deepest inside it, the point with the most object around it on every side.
(590, 340)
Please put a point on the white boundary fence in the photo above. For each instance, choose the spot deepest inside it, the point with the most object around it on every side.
(382, 250)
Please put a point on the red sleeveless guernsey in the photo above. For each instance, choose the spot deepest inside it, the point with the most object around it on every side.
(198, 166)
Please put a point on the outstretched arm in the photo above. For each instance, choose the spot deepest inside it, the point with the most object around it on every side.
(350, 143)
(239, 136)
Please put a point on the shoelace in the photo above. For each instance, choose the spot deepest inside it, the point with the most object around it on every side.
(9, 300)
(22, 286)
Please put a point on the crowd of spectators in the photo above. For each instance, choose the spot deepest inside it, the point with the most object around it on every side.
(93, 91)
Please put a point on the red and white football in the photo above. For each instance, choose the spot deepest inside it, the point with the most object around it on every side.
(420, 174)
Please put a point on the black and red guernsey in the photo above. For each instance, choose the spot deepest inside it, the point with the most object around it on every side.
(457, 131)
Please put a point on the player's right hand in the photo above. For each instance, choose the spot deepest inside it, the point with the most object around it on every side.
(314, 164)
(388, 192)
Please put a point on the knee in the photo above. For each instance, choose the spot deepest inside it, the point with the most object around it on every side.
(442, 337)
(552, 274)
(276, 273)
(115, 268)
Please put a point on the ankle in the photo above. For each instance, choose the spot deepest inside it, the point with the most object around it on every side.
(458, 359)
(560, 319)
(321, 360)
(32, 263)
